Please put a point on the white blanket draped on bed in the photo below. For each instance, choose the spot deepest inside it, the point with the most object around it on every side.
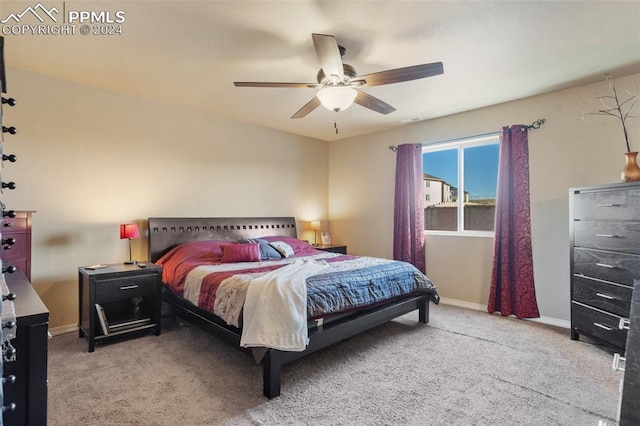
(275, 308)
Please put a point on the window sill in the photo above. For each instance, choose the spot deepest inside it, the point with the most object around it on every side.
(482, 234)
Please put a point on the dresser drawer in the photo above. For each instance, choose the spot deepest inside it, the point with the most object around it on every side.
(16, 251)
(125, 287)
(607, 205)
(609, 266)
(597, 323)
(14, 224)
(21, 264)
(609, 297)
(615, 236)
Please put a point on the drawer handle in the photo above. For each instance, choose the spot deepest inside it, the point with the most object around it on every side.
(624, 324)
(608, 205)
(607, 236)
(10, 407)
(9, 379)
(617, 359)
(605, 296)
(604, 265)
(604, 327)
(129, 287)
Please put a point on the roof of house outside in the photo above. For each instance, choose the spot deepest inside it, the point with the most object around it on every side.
(427, 176)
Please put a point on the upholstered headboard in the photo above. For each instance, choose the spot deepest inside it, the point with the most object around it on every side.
(165, 233)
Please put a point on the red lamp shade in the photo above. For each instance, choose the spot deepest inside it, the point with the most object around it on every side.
(129, 230)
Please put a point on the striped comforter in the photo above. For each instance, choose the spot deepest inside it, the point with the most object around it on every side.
(348, 283)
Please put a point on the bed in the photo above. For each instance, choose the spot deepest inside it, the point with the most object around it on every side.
(168, 236)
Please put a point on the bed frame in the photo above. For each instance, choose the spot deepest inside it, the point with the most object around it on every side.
(165, 233)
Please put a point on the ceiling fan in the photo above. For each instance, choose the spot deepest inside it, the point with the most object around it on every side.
(339, 84)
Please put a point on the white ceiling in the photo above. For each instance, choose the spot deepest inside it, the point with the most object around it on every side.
(190, 52)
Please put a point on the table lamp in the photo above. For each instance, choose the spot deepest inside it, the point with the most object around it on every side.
(129, 231)
(315, 225)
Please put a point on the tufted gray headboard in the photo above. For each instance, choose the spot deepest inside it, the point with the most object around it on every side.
(167, 232)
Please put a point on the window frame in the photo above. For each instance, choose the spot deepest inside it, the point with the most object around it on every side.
(460, 145)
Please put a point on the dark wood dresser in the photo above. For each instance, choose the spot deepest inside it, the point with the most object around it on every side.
(29, 391)
(605, 259)
(630, 398)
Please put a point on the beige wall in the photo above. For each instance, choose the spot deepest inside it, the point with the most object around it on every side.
(567, 151)
(90, 159)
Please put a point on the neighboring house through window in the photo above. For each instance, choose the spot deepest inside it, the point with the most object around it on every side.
(464, 166)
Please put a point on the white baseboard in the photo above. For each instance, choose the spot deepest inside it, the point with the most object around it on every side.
(478, 307)
(63, 329)
(552, 321)
(463, 304)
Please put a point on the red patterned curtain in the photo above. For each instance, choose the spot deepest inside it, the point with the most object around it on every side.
(408, 214)
(512, 285)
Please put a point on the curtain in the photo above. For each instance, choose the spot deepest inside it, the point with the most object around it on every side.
(512, 285)
(408, 214)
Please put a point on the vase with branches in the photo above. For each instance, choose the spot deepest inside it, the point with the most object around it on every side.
(612, 105)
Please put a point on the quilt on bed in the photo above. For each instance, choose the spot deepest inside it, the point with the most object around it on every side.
(197, 272)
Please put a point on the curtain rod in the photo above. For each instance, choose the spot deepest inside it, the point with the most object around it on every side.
(535, 125)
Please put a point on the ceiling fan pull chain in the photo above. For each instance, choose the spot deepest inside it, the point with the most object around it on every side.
(335, 125)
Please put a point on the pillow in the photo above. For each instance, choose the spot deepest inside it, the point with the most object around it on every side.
(283, 248)
(266, 251)
(299, 247)
(176, 262)
(241, 253)
(205, 250)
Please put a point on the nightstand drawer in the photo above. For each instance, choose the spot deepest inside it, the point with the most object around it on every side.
(598, 324)
(615, 236)
(614, 205)
(609, 266)
(127, 287)
(609, 297)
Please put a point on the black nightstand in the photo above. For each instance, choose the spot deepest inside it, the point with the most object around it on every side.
(129, 298)
(332, 248)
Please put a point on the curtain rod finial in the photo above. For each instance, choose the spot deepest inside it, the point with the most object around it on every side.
(537, 124)
(393, 148)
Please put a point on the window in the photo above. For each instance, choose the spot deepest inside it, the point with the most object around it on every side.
(462, 177)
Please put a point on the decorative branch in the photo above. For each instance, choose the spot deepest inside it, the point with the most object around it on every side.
(621, 110)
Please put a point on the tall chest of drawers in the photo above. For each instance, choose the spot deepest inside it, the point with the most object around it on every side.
(18, 228)
(605, 259)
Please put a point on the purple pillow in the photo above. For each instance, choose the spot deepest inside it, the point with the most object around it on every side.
(240, 253)
(299, 247)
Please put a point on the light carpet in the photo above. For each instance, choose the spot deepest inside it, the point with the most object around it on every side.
(463, 368)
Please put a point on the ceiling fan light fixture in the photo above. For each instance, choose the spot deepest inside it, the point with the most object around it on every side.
(337, 98)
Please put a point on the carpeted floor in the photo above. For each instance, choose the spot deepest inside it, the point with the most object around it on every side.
(463, 368)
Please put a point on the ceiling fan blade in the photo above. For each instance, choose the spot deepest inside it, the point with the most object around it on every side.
(373, 103)
(329, 55)
(307, 108)
(267, 84)
(401, 74)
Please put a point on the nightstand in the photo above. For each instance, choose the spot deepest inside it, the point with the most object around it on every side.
(332, 248)
(118, 301)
